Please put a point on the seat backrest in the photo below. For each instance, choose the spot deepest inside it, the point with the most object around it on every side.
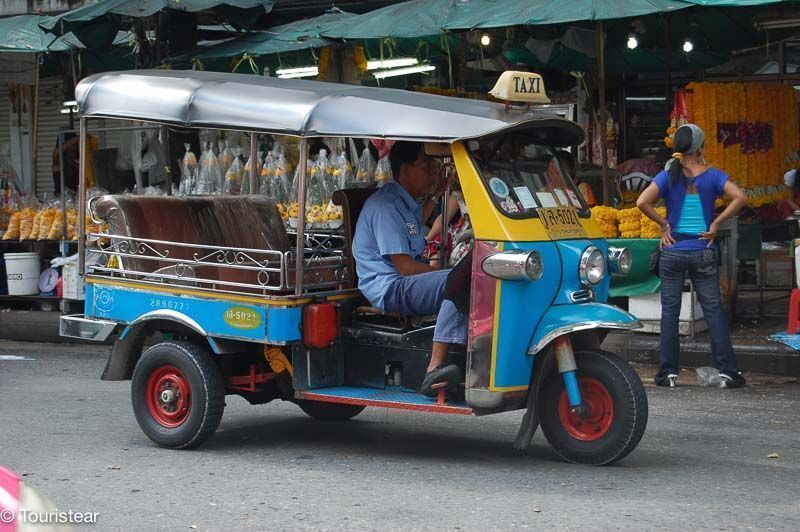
(351, 200)
(226, 221)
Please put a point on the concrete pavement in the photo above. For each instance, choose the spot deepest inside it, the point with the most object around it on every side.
(703, 462)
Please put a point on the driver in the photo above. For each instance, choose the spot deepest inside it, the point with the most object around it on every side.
(388, 248)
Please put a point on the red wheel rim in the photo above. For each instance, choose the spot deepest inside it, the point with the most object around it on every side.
(169, 397)
(596, 423)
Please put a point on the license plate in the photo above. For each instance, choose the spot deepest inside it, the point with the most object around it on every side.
(561, 222)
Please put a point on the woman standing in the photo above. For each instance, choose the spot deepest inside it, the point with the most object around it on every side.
(689, 188)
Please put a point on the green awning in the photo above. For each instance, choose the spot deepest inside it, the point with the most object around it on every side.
(23, 34)
(108, 12)
(416, 18)
(501, 13)
(299, 35)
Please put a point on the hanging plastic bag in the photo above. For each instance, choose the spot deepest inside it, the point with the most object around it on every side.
(265, 178)
(281, 187)
(188, 172)
(246, 179)
(383, 171)
(213, 172)
(205, 182)
(365, 171)
(322, 170)
(234, 175)
(341, 171)
(226, 157)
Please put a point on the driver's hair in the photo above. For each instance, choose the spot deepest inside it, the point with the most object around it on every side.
(403, 152)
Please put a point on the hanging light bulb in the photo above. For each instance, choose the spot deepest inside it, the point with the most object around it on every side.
(688, 45)
(486, 39)
(633, 42)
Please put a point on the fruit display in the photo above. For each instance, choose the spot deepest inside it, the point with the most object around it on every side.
(630, 222)
(606, 218)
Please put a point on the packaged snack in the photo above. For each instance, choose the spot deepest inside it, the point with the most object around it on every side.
(188, 172)
(12, 231)
(365, 171)
(57, 228)
(234, 175)
(383, 171)
(26, 223)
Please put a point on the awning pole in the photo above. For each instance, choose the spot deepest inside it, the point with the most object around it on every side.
(35, 136)
(462, 65)
(601, 81)
(301, 218)
(81, 197)
(254, 169)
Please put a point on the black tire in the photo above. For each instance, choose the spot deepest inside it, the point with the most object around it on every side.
(196, 372)
(330, 411)
(609, 438)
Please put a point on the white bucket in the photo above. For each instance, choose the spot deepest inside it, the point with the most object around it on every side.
(22, 272)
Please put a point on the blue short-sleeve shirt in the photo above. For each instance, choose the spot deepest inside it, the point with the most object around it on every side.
(389, 224)
(710, 185)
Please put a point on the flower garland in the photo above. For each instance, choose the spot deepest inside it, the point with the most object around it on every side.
(757, 109)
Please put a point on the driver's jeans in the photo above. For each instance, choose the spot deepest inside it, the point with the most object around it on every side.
(423, 295)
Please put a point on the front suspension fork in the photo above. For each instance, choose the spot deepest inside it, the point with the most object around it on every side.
(565, 357)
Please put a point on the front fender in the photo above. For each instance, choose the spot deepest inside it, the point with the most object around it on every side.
(565, 319)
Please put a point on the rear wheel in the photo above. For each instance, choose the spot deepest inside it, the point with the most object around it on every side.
(616, 414)
(330, 411)
(178, 394)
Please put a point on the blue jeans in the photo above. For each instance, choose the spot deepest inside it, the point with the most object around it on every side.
(422, 295)
(701, 265)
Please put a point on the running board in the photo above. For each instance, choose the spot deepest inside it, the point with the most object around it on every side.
(389, 398)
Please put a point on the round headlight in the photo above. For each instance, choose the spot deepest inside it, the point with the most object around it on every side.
(533, 266)
(593, 265)
(619, 261)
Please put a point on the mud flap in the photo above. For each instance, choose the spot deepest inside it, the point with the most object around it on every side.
(530, 421)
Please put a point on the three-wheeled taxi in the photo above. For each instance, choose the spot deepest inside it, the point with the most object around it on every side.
(206, 296)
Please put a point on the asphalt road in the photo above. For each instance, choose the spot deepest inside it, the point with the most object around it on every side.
(703, 462)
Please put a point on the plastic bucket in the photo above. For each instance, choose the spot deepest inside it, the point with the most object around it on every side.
(22, 273)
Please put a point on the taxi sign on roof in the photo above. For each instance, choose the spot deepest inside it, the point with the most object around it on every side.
(516, 86)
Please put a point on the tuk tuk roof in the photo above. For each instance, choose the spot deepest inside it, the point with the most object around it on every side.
(305, 108)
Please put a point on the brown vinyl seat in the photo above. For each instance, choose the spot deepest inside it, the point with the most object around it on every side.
(352, 201)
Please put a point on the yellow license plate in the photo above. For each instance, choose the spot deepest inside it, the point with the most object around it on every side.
(561, 222)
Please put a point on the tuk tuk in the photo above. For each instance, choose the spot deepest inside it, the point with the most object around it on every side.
(206, 296)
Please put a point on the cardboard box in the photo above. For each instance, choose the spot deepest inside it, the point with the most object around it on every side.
(72, 283)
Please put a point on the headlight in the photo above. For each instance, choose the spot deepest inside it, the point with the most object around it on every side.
(593, 266)
(619, 261)
(514, 265)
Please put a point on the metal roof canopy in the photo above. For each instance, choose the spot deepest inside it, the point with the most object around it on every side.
(306, 108)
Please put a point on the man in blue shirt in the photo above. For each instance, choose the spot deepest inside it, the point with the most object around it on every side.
(392, 275)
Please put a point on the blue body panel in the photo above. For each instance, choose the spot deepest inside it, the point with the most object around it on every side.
(560, 316)
(521, 305)
(571, 251)
(217, 317)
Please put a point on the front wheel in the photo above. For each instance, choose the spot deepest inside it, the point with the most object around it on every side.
(178, 394)
(616, 414)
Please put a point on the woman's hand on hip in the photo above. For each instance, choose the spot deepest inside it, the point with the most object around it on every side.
(666, 237)
(711, 234)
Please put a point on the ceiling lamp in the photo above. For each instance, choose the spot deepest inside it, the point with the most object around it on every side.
(688, 45)
(392, 63)
(486, 39)
(299, 72)
(633, 42)
(381, 74)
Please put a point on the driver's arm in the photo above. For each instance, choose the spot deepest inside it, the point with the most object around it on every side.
(406, 265)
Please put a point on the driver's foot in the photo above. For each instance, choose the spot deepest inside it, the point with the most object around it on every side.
(450, 374)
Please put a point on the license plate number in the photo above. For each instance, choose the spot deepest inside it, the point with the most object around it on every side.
(561, 222)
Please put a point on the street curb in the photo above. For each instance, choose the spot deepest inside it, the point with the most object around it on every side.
(762, 356)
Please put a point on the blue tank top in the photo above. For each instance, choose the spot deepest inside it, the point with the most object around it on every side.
(691, 221)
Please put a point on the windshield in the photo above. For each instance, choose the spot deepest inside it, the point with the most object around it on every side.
(522, 175)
